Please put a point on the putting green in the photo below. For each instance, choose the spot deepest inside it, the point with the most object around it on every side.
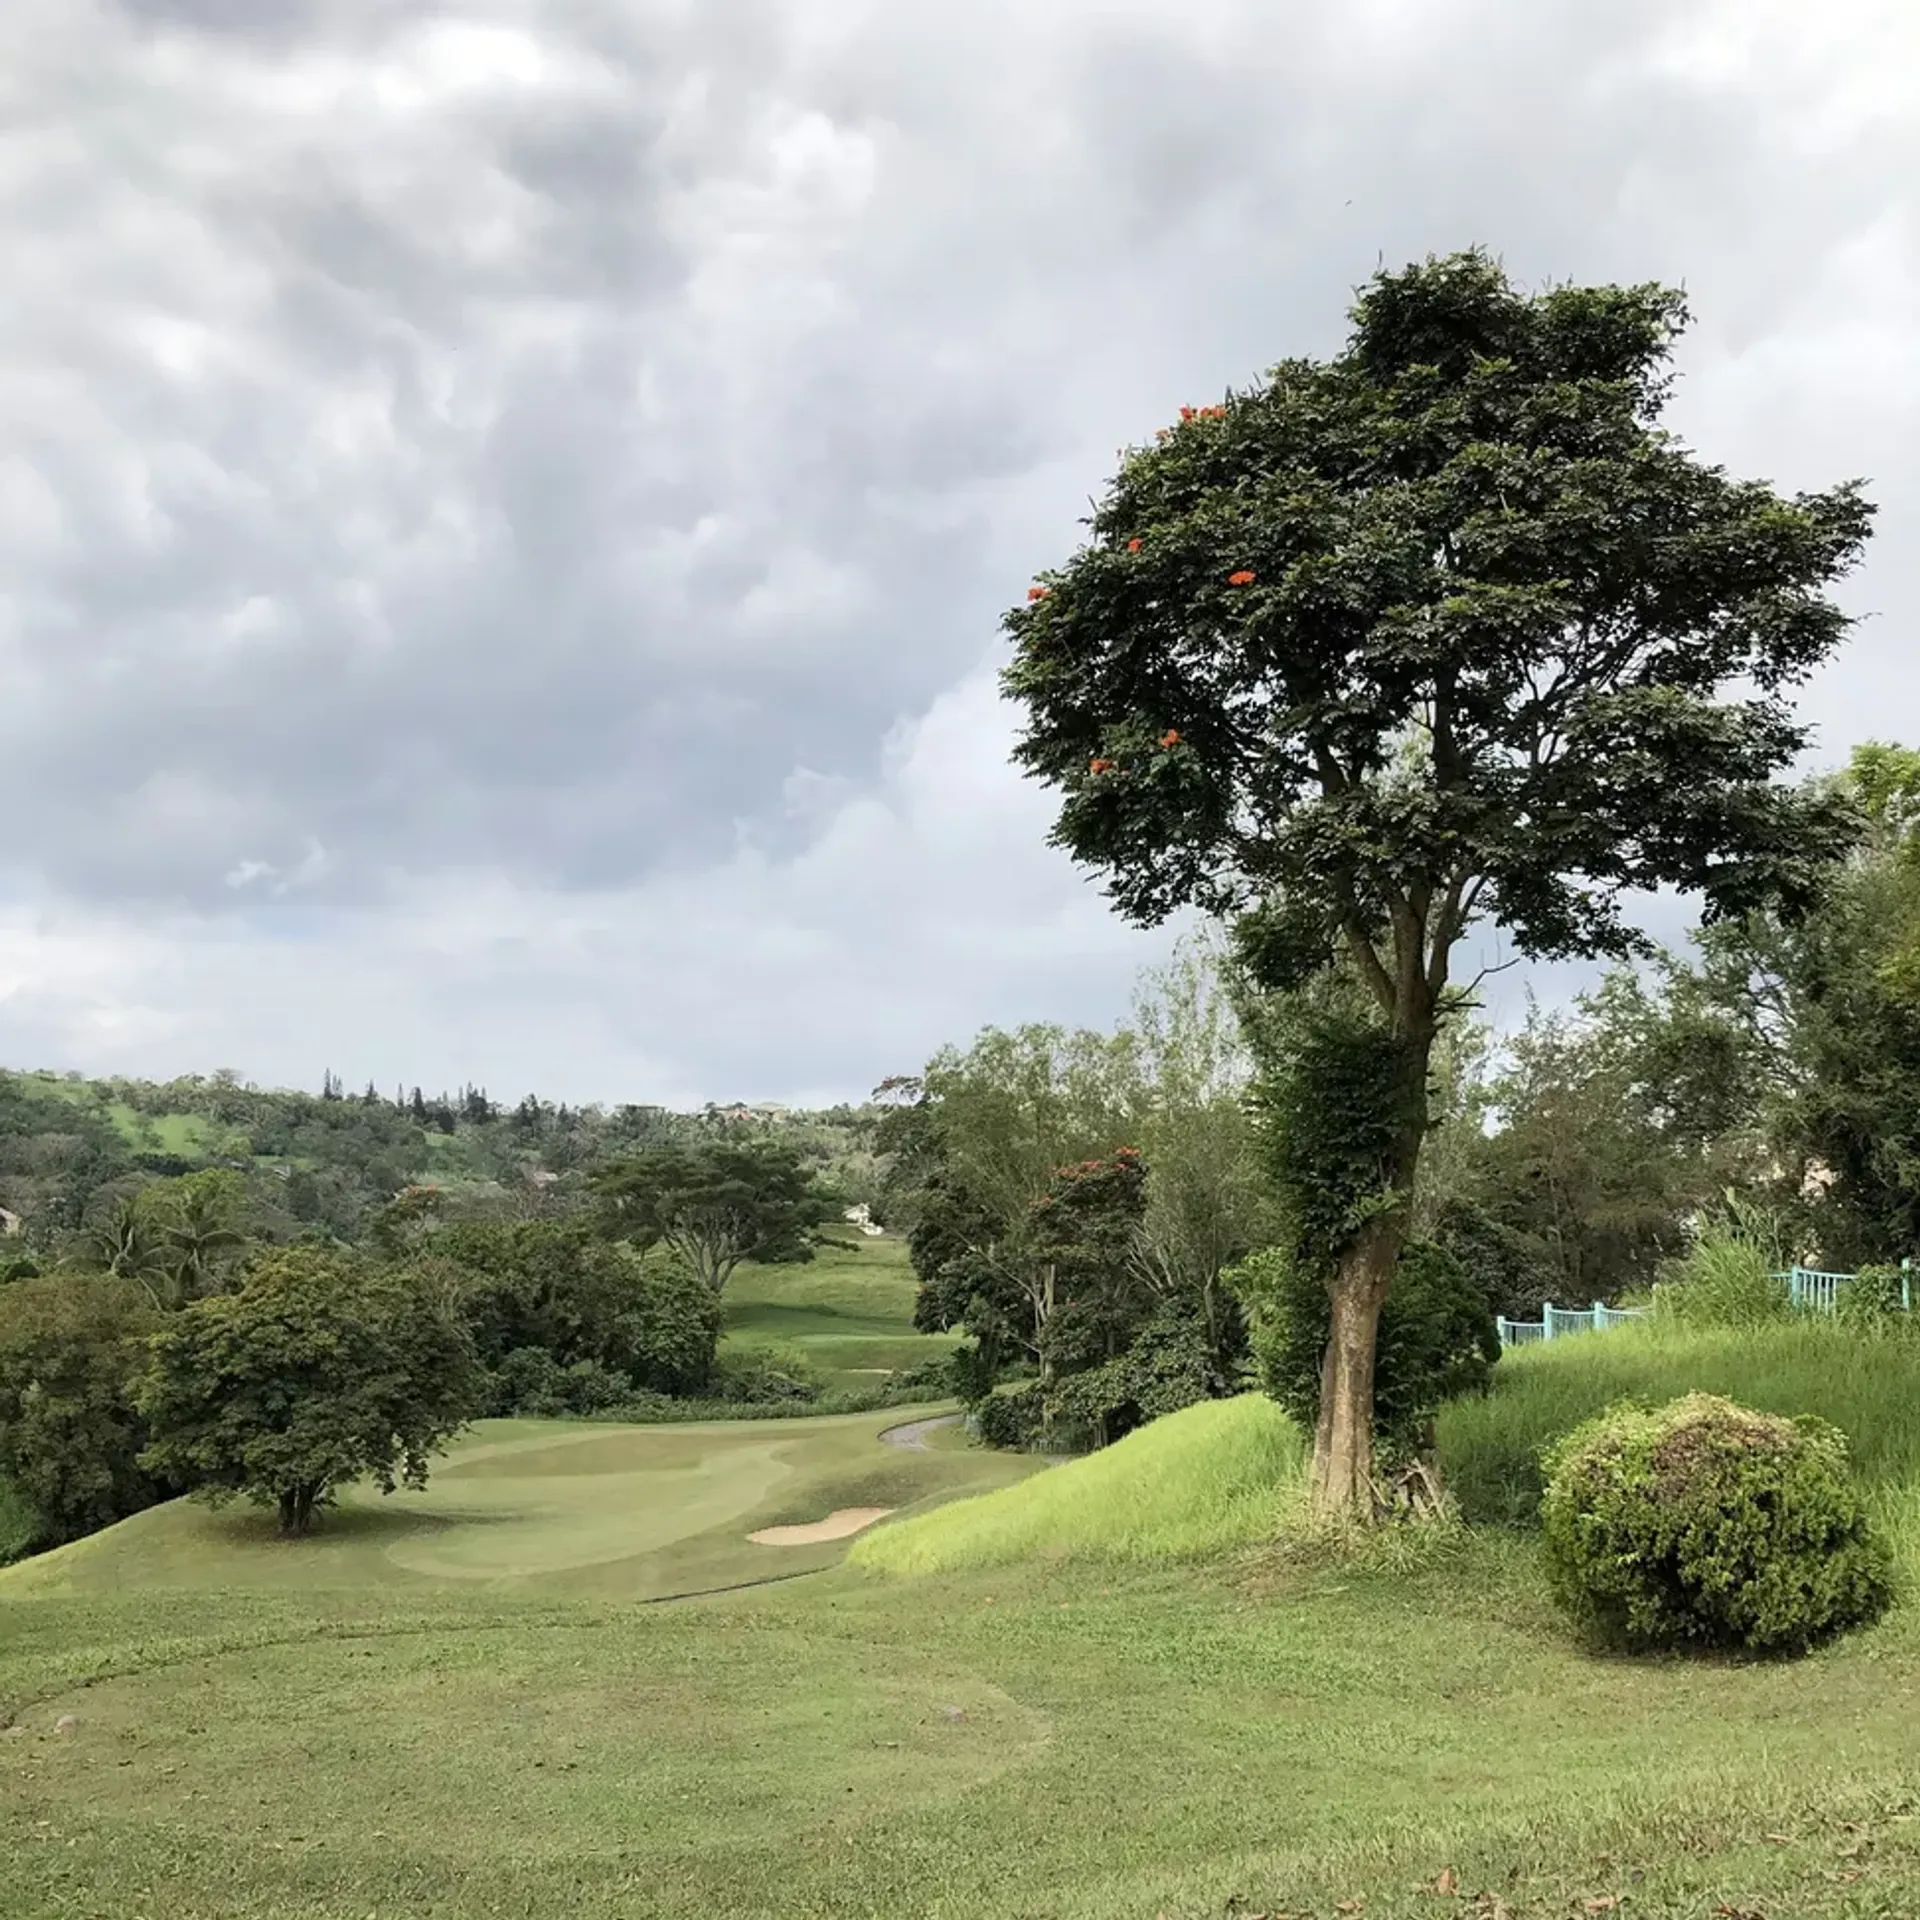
(537, 1508)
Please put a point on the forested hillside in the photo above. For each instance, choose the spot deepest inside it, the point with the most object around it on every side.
(70, 1147)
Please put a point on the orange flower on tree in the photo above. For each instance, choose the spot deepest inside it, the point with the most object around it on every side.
(1241, 579)
(1133, 546)
(1186, 413)
(1040, 593)
(1099, 766)
(1171, 738)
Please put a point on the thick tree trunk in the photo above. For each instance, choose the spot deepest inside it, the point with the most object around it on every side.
(296, 1508)
(1343, 1440)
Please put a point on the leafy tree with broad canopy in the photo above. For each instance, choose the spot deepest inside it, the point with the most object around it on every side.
(1445, 629)
(321, 1369)
(715, 1204)
(72, 1349)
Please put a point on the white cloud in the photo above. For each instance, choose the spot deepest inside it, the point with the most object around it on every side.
(919, 911)
(501, 513)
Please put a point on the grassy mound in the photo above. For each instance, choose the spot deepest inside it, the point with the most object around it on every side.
(1868, 1388)
(1202, 1481)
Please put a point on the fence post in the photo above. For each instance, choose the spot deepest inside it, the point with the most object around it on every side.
(1546, 1319)
(1599, 1323)
(1793, 1286)
(1500, 1321)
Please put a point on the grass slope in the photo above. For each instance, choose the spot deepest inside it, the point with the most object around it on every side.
(1137, 1743)
(1869, 1388)
(184, 1134)
(848, 1312)
(326, 1732)
(1206, 1481)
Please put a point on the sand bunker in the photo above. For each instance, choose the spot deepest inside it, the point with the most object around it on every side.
(836, 1526)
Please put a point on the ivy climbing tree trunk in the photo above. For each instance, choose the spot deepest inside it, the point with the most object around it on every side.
(1343, 1450)
(1343, 1441)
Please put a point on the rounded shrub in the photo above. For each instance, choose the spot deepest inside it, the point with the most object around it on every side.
(1703, 1524)
(764, 1376)
(1875, 1301)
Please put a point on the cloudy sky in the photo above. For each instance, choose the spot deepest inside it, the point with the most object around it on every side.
(505, 507)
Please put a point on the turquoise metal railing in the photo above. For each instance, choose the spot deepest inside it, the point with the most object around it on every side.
(1814, 1289)
(1554, 1322)
(1810, 1289)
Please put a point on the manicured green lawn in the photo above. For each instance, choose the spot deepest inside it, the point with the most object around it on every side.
(542, 1507)
(848, 1311)
(459, 1704)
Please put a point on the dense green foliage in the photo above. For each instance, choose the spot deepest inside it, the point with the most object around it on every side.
(1703, 1524)
(1413, 540)
(1569, 1168)
(324, 1165)
(19, 1524)
(1438, 1340)
(552, 1289)
(319, 1370)
(1071, 1201)
(1335, 1097)
(715, 1204)
(71, 1353)
(180, 1238)
(1825, 1016)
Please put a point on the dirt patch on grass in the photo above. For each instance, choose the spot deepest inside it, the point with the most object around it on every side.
(836, 1526)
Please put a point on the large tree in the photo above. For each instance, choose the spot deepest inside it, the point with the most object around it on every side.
(320, 1370)
(715, 1204)
(71, 1350)
(1444, 629)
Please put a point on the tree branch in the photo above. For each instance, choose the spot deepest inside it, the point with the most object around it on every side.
(1487, 973)
(1446, 930)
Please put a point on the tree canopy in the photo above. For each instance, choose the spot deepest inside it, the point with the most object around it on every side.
(319, 1370)
(1445, 628)
(716, 1204)
(71, 1350)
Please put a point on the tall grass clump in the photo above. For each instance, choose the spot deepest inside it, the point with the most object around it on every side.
(1490, 1448)
(1210, 1479)
(1729, 1277)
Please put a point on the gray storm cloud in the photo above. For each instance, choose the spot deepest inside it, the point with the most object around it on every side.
(542, 455)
